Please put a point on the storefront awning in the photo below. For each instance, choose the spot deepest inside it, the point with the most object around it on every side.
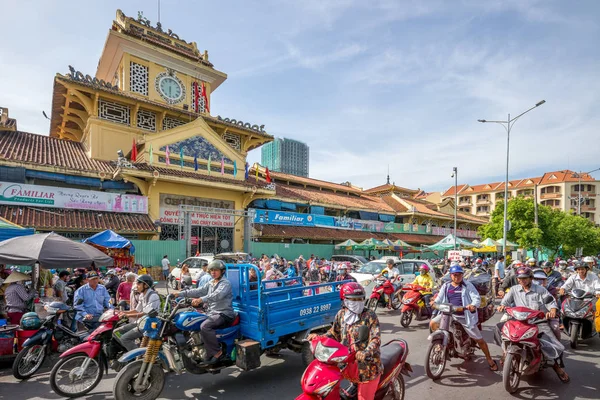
(56, 219)
(301, 232)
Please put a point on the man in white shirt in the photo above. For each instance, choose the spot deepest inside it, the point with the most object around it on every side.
(582, 279)
(498, 273)
(165, 266)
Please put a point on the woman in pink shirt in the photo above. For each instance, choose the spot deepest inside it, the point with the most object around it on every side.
(124, 289)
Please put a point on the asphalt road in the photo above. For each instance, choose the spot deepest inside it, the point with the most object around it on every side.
(279, 377)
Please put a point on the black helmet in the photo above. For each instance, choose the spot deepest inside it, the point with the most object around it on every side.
(146, 280)
(216, 264)
(547, 264)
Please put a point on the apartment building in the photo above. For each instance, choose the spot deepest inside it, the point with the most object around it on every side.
(561, 190)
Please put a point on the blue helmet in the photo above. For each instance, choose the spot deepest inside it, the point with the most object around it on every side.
(456, 269)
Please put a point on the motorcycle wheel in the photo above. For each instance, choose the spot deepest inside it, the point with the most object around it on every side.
(573, 336)
(306, 353)
(173, 283)
(435, 360)
(396, 300)
(406, 318)
(396, 389)
(510, 373)
(28, 361)
(123, 388)
(372, 304)
(63, 375)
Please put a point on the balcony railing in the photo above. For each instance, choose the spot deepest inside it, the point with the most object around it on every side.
(587, 208)
(583, 193)
(551, 195)
(464, 202)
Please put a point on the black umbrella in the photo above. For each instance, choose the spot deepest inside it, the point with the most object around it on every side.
(51, 251)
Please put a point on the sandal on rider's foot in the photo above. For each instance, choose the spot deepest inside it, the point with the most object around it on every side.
(493, 367)
(562, 375)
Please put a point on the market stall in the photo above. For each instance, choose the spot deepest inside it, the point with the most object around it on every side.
(112, 244)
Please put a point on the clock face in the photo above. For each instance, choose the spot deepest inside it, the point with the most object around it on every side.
(170, 87)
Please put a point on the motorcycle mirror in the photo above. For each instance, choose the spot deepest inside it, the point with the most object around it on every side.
(122, 304)
(153, 313)
(363, 333)
(79, 302)
(548, 299)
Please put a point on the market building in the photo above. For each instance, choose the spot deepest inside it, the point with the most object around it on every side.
(564, 190)
(140, 138)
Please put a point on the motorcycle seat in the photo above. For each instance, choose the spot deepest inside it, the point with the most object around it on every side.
(390, 354)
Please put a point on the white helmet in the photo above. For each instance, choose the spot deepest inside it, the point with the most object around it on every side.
(588, 259)
(531, 261)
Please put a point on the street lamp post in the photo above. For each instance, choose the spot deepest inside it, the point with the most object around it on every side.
(508, 124)
(455, 176)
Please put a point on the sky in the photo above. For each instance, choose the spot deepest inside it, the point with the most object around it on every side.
(366, 84)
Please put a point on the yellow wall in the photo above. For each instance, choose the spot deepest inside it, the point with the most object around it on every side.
(153, 70)
(104, 138)
(208, 193)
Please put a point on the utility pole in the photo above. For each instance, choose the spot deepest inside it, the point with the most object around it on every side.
(455, 175)
(535, 213)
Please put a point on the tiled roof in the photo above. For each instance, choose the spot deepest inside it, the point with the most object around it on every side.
(280, 176)
(547, 179)
(44, 150)
(279, 231)
(187, 173)
(394, 204)
(339, 199)
(76, 220)
(389, 187)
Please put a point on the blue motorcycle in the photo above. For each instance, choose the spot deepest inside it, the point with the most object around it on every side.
(171, 342)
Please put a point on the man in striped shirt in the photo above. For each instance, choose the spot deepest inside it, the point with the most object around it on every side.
(17, 296)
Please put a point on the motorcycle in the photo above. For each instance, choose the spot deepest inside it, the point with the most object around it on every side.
(172, 341)
(449, 341)
(81, 367)
(413, 305)
(385, 294)
(578, 316)
(521, 343)
(52, 336)
(334, 362)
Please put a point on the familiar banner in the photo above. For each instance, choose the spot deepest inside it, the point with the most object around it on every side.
(58, 197)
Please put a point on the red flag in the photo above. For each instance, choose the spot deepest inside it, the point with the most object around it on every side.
(267, 175)
(134, 151)
(196, 97)
(205, 98)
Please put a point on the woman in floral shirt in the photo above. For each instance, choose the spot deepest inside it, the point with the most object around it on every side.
(345, 330)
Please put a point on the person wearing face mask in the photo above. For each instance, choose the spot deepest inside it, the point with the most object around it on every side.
(345, 330)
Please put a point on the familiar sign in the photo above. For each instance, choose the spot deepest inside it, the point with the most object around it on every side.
(454, 255)
(58, 197)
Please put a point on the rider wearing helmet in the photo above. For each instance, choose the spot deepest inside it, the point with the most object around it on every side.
(510, 279)
(345, 330)
(554, 277)
(584, 280)
(112, 282)
(531, 263)
(218, 296)
(589, 261)
(563, 269)
(534, 297)
(148, 300)
(461, 293)
(424, 279)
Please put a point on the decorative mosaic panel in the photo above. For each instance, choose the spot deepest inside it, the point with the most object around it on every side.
(170, 123)
(200, 99)
(233, 140)
(197, 146)
(114, 112)
(146, 120)
(139, 78)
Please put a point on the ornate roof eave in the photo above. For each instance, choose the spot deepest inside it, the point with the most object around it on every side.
(87, 84)
(153, 177)
(56, 169)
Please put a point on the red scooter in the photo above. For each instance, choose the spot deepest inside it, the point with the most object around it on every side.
(385, 294)
(81, 368)
(521, 345)
(413, 304)
(334, 362)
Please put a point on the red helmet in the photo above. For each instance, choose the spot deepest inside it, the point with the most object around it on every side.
(524, 272)
(352, 290)
(479, 261)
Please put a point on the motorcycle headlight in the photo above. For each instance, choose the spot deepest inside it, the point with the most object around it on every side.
(505, 331)
(529, 334)
(106, 315)
(141, 323)
(406, 301)
(580, 313)
(444, 308)
(520, 316)
(323, 353)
